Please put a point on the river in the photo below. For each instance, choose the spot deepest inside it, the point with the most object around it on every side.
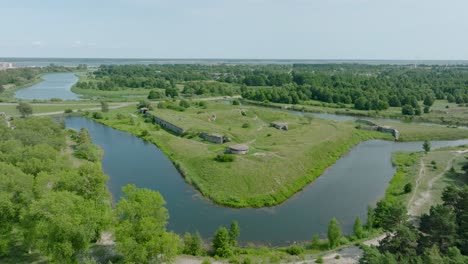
(344, 190)
(54, 85)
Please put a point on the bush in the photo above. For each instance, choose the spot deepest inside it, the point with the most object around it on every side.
(426, 109)
(68, 111)
(225, 158)
(235, 102)
(97, 115)
(294, 250)
(88, 152)
(184, 104)
(234, 260)
(193, 244)
(315, 242)
(407, 110)
(337, 257)
(202, 104)
(247, 260)
(144, 103)
(144, 133)
(206, 261)
(408, 188)
(319, 260)
(245, 125)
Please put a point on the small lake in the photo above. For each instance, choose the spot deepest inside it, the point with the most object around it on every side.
(344, 190)
(54, 85)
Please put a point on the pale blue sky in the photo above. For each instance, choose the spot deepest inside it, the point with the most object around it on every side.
(258, 29)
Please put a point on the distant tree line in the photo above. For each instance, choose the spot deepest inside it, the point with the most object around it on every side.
(365, 87)
(21, 76)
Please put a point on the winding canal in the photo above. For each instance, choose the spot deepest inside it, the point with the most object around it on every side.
(54, 85)
(344, 190)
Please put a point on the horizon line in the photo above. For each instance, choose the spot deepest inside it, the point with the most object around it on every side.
(252, 59)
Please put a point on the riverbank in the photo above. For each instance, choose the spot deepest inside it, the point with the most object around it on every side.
(442, 112)
(58, 108)
(9, 94)
(279, 164)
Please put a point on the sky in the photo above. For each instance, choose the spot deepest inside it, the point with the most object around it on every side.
(237, 29)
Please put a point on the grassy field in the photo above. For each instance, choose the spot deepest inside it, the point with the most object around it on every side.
(279, 163)
(428, 173)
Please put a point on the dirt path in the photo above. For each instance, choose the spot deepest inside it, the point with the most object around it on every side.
(419, 199)
(421, 174)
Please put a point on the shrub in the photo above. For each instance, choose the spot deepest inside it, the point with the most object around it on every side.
(184, 104)
(206, 261)
(247, 260)
(234, 260)
(315, 242)
(426, 109)
(407, 110)
(88, 152)
(225, 158)
(202, 104)
(337, 257)
(294, 250)
(193, 244)
(97, 115)
(144, 103)
(408, 188)
(68, 111)
(245, 125)
(144, 133)
(235, 102)
(319, 260)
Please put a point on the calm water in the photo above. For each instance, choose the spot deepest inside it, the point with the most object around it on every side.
(55, 85)
(343, 191)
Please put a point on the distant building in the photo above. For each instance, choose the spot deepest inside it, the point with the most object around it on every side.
(143, 110)
(374, 127)
(167, 125)
(390, 130)
(6, 65)
(239, 149)
(280, 125)
(213, 137)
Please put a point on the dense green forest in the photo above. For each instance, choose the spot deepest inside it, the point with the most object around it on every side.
(365, 87)
(442, 235)
(50, 202)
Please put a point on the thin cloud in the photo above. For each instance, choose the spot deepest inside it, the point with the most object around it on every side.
(81, 44)
(37, 43)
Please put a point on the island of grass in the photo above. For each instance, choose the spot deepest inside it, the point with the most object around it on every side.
(279, 163)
